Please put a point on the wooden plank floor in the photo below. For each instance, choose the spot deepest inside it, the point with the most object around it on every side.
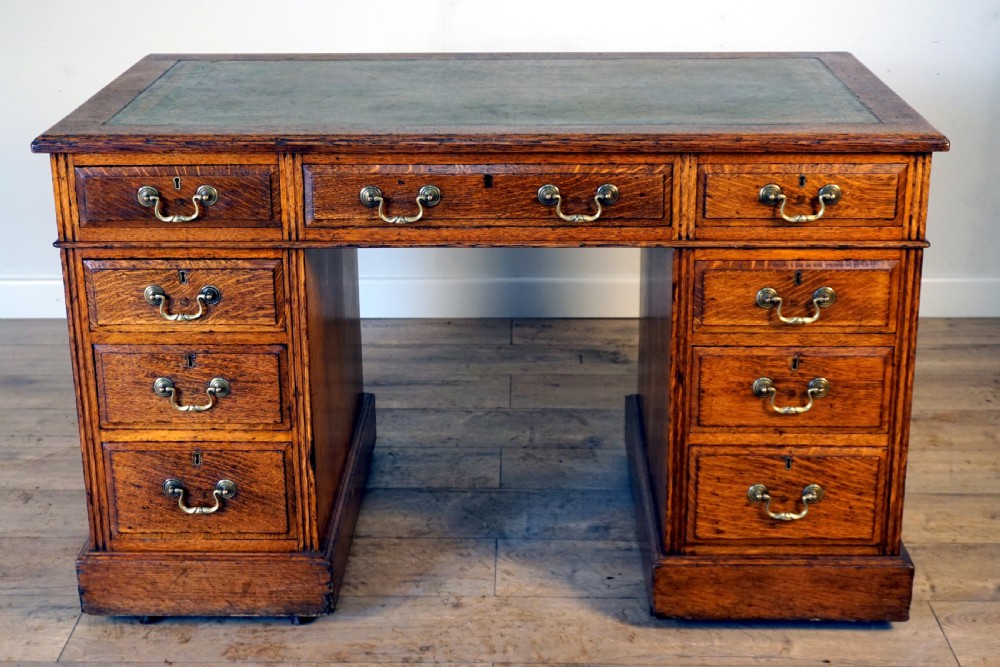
(497, 529)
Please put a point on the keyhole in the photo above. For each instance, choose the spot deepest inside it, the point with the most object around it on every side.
(798, 277)
(795, 363)
(487, 181)
(189, 360)
(177, 182)
(802, 180)
(788, 462)
(182, 276)
(196, 458)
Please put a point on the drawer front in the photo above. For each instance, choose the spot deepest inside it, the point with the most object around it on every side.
(852, 487)
(846, 293)
(248, 196)
(178, 387)
(185, 295)
(487, 195)
(871, 197)
(731, 392)
(255, 499)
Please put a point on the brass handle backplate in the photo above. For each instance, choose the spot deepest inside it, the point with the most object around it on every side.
(771, 195)
(156, 296)
(817, 388)
(429, 196)
(150, 197)
(224, 490)
(217, 388)
(824, 297)
(606, 195)
(812, 493)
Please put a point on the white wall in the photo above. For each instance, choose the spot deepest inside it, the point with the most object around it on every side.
(942, 57)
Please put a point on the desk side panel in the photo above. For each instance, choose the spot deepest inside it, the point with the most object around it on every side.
(332, 318)
(655, 372)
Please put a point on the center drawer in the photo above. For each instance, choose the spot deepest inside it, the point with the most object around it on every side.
(207, 496)
(190, 387)
(489, 195)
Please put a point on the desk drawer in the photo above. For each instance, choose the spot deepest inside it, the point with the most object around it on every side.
(487, 195)
(254, 499)
(179, 294)
(187, 387)
(747, 387)
(245, 196)
(851, 484)
(781, 291)
(863, 200)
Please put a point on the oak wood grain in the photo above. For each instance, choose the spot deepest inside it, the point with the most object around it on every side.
(262, 510)
(869, 192)
(866, 287)
(859, 381)
(858, 589)
(720, 512)
(488, 194)
(257, 376)
(248, 195)
(729, 207)
(327, 303)
(158, 584)
(252, 293)
(689, 140)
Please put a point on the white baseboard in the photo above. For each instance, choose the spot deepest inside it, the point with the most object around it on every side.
(960, 297)
(516, 297)
(500, 297)
(23, 299)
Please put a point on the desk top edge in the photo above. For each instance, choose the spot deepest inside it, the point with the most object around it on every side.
(877, 120)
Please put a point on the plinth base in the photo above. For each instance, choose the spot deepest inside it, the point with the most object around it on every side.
(829, 588)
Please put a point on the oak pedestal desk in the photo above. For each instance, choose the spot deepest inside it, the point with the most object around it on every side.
(209, 209)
